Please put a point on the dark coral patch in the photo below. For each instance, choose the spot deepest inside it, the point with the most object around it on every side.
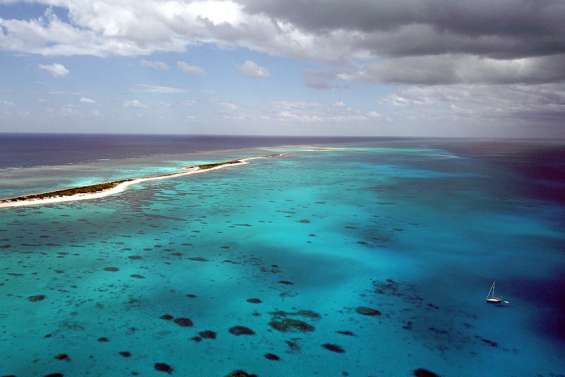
(163, 367)
(55, 375)
(333, 347)
(240, 373)
(301, 313)
(137, 276)
(37, 298)
(293, 345)
(125, 353)
(421, 372)
(62, 357)
(489, 342)
(286, 282)
(307, 313)
(254, 301)
(364, 310)
(272, 357)
(345, 332)
(103, 339)
(111, 269)
(197, 339)
(198, 259)
(241, 330)
(289, 324)
(166, 317)
(207, 334)
(183, 322)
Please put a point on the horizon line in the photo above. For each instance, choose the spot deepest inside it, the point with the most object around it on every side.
(29, 133)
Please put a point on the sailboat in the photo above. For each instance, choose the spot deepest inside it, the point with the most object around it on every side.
(492, 299)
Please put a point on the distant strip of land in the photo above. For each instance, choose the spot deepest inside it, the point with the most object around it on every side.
(101, 190)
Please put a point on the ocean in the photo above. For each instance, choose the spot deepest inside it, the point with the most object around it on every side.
(344, 257)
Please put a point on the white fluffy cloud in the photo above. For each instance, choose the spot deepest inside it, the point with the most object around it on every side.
(189, 69)
(87, 100)
(55, 69)
(143, 27)
(135, 103)
(250, 68)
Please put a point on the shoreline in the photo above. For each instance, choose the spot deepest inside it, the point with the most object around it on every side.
(104, 189)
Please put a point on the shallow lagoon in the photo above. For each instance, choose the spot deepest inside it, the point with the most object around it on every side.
(414, 229)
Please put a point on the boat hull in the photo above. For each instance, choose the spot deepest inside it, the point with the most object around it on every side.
(496, 301)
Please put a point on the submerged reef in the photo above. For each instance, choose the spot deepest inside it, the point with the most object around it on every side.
(241, 330)
(164, 367)
(363, 310)
(421, 372)
(282, 321)
(240, 373)
(333, 347)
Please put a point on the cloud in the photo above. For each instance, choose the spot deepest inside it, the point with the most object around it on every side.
(506, 27)
(315, 112)
(250, 68)
(234, 112)
(513, 103)
(153, 64)
(479, 41)
(87, 100)
(452, 69)
(134, 103)
(157, 89)
(6, 103)
(320, 79)
(55, 69)
(189, 69)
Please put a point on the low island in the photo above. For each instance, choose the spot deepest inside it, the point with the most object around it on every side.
(104, 189)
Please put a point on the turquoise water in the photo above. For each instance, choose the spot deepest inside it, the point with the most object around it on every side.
(415, 230)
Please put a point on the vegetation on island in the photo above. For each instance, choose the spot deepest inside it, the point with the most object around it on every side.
(90, 189)
(215, 165)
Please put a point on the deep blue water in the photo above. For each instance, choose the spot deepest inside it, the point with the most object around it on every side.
(23, 150)
(416, 229)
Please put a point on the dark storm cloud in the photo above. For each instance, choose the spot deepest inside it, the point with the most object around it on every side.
(438, 41)
(531, 27)
(467, 17)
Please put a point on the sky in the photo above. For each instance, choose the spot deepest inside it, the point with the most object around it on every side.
(451, 68)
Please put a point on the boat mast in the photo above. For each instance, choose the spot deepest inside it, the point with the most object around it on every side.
(491, 290)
